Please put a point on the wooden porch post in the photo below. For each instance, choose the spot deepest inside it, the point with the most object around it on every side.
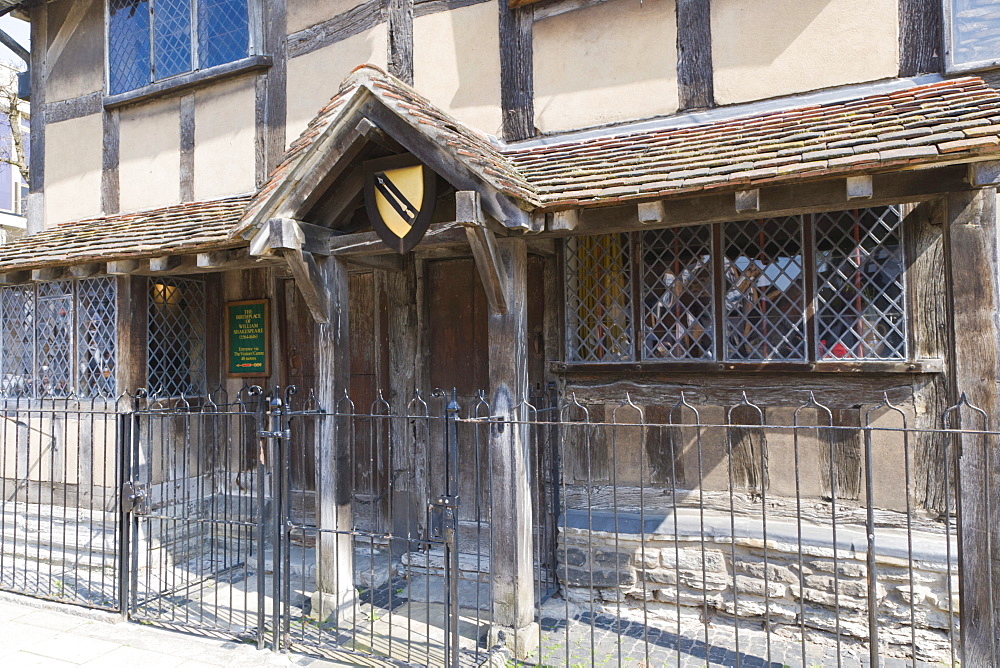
(335, 551)
(973, 271)
(511, 562)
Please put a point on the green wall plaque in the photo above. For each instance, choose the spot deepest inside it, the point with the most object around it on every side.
(247, 337)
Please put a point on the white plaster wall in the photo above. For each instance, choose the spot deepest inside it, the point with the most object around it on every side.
(224, 139)
(611, 62)
(150, 145)
(301, 14)
(80, 68)
(456, 63)
(767, 48)
(316, 77)
(73, 159)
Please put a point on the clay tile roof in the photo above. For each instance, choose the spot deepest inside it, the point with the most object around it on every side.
(956, 119)
(945, 120)
(182, 228)
(475, 151)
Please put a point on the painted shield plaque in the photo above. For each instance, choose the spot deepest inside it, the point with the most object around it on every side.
(400, 203)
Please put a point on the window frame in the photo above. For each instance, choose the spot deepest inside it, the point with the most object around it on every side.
(811, 326)
(75, 349)
(253, 59)
(950, 65)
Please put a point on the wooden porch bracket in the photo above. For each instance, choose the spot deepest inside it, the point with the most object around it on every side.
(295, 241)
(469, 214)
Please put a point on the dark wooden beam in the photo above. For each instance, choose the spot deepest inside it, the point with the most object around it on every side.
(14, 277)
(975, 298)
(48, 274)
(400, 15)
(484, 249)
(347, 24)
(920, 36)
(309, 280)
(37, 72)
(817, 196)
(271, 92)
(187, 148)
(695, 80)
(110, 180)
(517, 95)
(369, 243)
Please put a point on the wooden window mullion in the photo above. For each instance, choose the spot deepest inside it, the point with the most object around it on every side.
(809, 281)
(719, 287)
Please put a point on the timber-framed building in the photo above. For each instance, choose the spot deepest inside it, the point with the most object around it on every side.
(718, 232)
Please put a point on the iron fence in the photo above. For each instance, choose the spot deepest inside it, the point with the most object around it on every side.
(660, 532)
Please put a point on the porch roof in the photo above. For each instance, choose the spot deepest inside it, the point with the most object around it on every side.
(182, 228)
(952, 120)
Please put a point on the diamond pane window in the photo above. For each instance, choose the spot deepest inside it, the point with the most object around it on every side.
(54, 338)
(859, 285)
(764, 302)
(223, 31)
(17, 340)
(153, 40)
(129, 65)
(96, 336)
(677, 299)
(599, 298)
(176, 343)
(171, 38)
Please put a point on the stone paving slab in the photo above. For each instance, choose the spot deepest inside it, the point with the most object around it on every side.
(41, 633)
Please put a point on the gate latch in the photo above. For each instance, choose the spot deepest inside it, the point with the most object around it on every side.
(444, 517)
(134, 498)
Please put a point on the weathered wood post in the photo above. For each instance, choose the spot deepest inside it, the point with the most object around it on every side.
(334, 551)
(511, 562)
(973, 270)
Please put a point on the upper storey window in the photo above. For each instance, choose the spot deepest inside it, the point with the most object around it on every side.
(972, 33)
(152, 40)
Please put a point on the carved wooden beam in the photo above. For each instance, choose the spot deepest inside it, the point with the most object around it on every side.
(469, 214)
(310, 282)
(565, 221)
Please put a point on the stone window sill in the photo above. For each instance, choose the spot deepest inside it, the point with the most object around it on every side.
(188, 80)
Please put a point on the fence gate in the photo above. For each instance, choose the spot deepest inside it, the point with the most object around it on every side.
(238, 525)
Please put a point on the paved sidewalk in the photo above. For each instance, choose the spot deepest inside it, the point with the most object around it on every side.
(40, 633)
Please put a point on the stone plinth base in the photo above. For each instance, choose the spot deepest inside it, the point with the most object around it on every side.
(331, 608)
(521, 642)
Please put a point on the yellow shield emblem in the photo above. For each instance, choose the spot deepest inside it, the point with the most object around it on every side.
(400, 203)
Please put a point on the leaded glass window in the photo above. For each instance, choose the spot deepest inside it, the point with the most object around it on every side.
(739, 291)
(765, 290)
(972, 33)
(176, 337)
(599, 298)
(677, 294)
(59, 338)
(859, 275)
(153, 40)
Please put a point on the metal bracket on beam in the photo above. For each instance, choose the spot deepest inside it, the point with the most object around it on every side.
(469, 214)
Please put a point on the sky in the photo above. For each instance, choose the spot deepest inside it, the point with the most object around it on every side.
(19, 30)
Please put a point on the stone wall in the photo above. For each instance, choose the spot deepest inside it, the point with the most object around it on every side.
(684, 578)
